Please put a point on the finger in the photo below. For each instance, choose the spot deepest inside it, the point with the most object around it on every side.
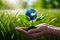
(21, 30)
(33, 31)
(42, 26)
(34, 35)
(21, 27)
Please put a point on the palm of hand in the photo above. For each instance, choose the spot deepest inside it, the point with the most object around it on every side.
(40, 30)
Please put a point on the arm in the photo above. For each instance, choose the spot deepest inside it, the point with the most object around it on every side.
(54, 30)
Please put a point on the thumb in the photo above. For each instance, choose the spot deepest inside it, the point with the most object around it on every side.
(20, 29)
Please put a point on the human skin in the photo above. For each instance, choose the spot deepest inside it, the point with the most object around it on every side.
(34, 33)
(42, 29)
(53, 30)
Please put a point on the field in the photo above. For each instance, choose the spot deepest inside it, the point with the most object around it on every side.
(9, 20)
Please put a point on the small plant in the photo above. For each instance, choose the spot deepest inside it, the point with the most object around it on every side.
(31, 17)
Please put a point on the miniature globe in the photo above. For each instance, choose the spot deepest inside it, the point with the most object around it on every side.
(31, 13)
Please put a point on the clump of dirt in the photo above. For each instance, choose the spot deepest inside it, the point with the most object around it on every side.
(31, 27)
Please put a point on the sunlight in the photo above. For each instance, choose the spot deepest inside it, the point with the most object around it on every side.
(12, 3)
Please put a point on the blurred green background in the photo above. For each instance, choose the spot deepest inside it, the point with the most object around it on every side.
(10, 10)
(12, 4)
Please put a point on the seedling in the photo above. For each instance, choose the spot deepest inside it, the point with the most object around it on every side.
(32, 14)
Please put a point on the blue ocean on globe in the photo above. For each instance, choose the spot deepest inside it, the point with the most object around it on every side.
(31, 13)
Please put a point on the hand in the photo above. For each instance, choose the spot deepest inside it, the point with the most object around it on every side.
(39, 31)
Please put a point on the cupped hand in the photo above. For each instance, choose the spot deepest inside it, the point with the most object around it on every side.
(35, 32)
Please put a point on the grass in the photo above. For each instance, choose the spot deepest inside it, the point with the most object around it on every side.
(8, 22)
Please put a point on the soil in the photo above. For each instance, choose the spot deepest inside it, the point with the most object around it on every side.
(31, 27)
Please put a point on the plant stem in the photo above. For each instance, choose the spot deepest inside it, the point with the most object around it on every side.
(32, 23)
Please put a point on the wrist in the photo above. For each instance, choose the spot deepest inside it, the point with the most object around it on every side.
(53, 30)
(50, 30)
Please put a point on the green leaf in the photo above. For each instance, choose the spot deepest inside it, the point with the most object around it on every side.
(53, 19)
(40, 18)
(27, 18)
